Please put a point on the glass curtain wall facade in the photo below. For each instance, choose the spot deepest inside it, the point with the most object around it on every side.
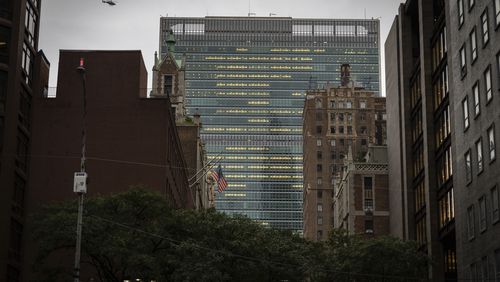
(247, 77)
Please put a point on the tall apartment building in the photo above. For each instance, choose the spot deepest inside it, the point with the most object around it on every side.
(335, 119)
(474, 48)
(442, 80)
(361, 194)
(246, 77)
(23, 74)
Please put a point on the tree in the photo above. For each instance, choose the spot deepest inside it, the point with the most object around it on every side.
(136, 234)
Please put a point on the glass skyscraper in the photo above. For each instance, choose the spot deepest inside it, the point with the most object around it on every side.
(247, 77)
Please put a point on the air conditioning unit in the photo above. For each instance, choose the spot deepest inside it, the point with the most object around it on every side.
(368, 210)
(80, 182)
(369, 231)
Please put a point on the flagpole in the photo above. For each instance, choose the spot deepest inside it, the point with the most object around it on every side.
(202, 169)
(205, 172)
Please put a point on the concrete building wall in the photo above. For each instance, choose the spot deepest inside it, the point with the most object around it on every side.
(394, 129)
(478, 250)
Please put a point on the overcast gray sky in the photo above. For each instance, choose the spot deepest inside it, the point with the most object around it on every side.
(134, 24)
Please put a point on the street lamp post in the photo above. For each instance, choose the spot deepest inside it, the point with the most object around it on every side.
(80, 178)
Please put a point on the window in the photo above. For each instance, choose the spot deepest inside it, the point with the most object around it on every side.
(444, 167)
(421, 232)
(482, 213)
(15, 244)
(349, 130)
(332, 116)
(470, 222)
(497, 263)
(363, 142)
(332, 129)
(479, 154)
(463, 61)
(443, 126)
(491, 143)
(465, 110)
(473, 45)
(484, 27)
(471, 3)
(332, 104)
(319, 129)
(319, 235)
(27, 61)
(320, 207)
(333, 155)
(468, 167)
(341, 130)
(368, 192)
(319, 116)
(348, 104)
(319, 155)
(362, 104)
(30, 24)
(460, 5)
(369, 226)
(475, 92)
(318, 142)
(320, 220)
(440, 88)
(487, 84)
(497, 22)
(332, 142)
(318, 104)
(495, 212)
(484, 269)
(319, 194)
(446, 209)
(419, 194)
(319, 168)
(4, 47)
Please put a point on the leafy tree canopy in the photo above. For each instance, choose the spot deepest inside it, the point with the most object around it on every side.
(135, 234)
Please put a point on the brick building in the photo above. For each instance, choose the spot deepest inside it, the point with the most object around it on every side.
(361, 195)
(131, 139)
(23, 75)
(335, 119)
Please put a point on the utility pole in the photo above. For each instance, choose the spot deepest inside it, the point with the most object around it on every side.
(80, 180)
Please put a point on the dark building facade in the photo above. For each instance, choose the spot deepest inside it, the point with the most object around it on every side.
(420, 115)
(246, 77)
(23, 75)
(474, 45)
(442, 91)
(336, 119)
(131, 139)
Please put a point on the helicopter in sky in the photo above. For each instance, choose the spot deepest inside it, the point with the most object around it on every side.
(109, 2)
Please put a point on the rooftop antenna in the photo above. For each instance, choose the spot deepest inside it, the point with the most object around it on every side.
(250, 10)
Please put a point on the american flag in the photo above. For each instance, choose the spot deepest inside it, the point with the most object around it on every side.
(220, 179)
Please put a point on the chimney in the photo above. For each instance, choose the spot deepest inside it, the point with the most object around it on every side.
(345, 75)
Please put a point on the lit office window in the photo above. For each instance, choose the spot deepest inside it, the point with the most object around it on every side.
(465, 110)
(460, 4)
(463, 61)
(479, 154)
(470, 222)
(473, 45)
(484, 25)
(491, 143)
(487, 84)
(446, 209)
(475, 92)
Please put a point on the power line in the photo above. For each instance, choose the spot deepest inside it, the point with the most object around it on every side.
(229, 253)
